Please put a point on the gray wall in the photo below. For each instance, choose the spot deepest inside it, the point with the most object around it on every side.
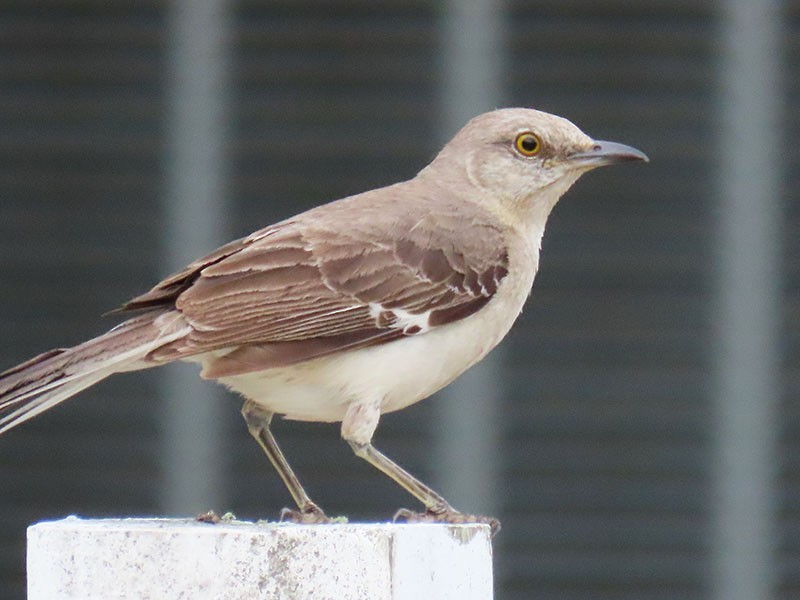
(611, 439)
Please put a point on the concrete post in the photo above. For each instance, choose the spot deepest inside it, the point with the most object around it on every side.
(76, 559)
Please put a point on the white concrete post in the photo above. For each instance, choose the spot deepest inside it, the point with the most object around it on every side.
(138, 559)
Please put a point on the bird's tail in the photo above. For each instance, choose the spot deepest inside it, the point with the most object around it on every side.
(50, 378)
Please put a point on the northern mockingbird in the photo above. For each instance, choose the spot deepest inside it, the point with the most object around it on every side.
(355, 308)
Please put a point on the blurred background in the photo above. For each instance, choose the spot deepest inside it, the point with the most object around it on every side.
(637, 433)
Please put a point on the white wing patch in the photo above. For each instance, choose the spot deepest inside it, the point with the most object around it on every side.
(397, 318)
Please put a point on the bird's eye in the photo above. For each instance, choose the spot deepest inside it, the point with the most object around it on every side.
(528, 144)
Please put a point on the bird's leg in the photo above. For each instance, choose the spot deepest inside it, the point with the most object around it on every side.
(258, 421)
(438, 510)
(358, 427)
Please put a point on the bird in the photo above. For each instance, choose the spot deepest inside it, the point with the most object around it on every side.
(355, 308)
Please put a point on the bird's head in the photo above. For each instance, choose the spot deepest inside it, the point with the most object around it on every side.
(526, 158)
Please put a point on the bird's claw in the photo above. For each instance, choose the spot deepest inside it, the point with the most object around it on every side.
(447, 515)
(310, 515)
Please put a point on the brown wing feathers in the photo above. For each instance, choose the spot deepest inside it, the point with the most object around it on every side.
(297, 290)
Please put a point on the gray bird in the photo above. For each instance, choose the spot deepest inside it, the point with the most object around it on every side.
(354, 308)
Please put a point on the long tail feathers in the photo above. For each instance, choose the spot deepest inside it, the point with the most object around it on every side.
(50, 378)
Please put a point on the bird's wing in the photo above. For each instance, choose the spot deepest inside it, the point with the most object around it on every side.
(326, 282)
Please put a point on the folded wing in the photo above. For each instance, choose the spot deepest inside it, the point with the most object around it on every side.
(324, 283)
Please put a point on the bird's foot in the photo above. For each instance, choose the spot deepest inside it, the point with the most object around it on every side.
(310, 515)
(447, 515)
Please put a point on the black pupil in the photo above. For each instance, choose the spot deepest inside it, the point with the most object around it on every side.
(529, 143)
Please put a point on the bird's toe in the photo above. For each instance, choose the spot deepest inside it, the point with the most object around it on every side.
(447, 515)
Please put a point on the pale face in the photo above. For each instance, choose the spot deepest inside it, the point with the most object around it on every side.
(526, 155)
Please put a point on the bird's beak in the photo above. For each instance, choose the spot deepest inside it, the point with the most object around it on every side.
(607, 153)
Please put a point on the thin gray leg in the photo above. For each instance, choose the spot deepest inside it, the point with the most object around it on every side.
(258, 421)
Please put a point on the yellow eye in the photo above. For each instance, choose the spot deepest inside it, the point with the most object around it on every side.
(528, 144)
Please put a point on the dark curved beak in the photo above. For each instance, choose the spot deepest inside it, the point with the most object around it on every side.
(603, 153)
